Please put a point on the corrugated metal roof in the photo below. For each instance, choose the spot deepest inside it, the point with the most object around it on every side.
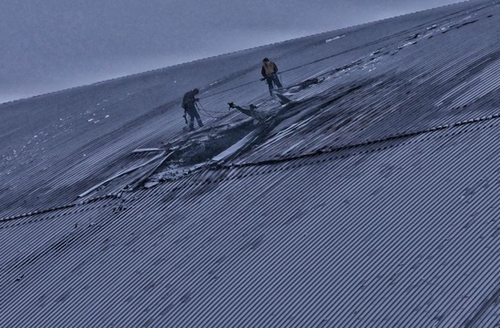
(372, 202)
(355, 239)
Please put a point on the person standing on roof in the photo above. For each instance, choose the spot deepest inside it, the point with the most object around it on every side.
(269, 72)
(188, 103)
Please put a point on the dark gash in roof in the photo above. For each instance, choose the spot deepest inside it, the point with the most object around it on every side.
(368, 200)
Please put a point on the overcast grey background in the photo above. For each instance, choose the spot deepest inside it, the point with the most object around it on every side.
(49, 45)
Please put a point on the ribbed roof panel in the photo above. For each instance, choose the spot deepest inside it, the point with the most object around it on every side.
(371, 201)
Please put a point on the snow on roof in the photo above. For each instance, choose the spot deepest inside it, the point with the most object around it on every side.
(368, 199)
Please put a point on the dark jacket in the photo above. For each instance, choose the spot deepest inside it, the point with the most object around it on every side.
(271, 69)
(188, 100)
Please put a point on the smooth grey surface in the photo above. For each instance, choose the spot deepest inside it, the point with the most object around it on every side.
(371, 201)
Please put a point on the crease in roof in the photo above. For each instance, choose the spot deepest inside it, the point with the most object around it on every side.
(386, 175)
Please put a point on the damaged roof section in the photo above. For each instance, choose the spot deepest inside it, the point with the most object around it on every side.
(369, 99)
(348, 229)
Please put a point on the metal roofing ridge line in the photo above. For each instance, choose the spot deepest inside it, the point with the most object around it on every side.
(61, 207)
(216, 167)
(244, 175)
(204, 177)
(365, 143)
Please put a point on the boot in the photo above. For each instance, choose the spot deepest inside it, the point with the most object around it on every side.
(200, 123)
